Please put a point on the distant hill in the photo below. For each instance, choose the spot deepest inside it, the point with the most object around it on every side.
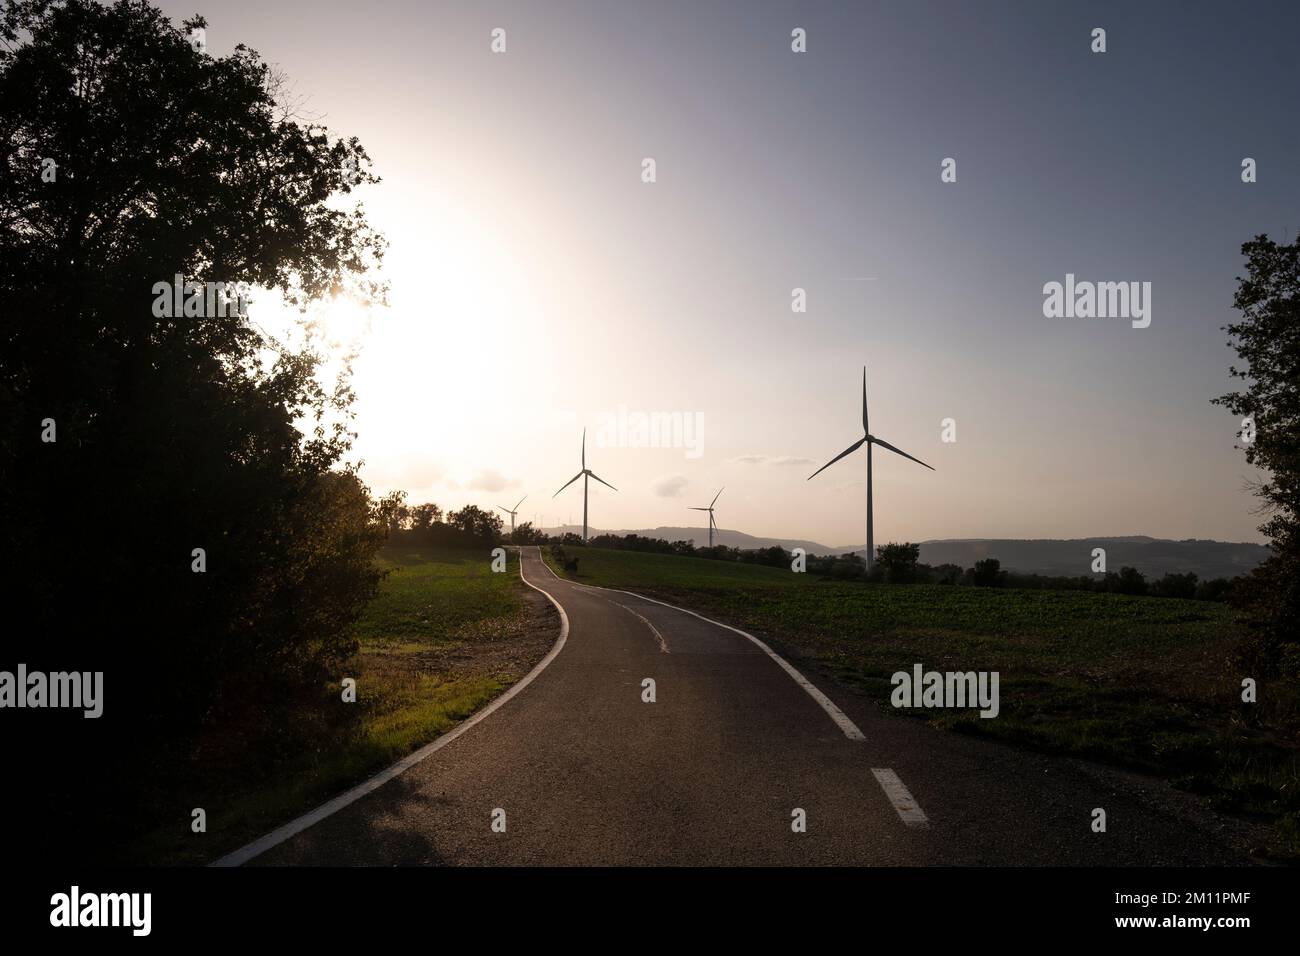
(1072, 556)
(732, 539)
(1151, 556)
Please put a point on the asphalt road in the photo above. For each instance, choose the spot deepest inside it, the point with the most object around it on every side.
(587, 772)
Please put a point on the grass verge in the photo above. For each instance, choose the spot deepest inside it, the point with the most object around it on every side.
(444, 636)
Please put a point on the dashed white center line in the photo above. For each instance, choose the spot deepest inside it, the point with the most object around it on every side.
(663, 645)
(908, 809)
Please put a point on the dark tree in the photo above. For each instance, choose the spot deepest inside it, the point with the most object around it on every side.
(1175, 585)
(1267, 340)
(1128, 581)
(173, 432)
(392, 512)
(475, 523)
(424, 517)
(898, 561)
(988, 573)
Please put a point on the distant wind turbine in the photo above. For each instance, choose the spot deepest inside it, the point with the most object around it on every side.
(512, 512)
(584, 475)
(868, 439)
(709, 509)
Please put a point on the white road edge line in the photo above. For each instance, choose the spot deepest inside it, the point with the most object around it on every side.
(905, 805)
(663, 645)
(908, 809)
(298, 824)
(841, 719)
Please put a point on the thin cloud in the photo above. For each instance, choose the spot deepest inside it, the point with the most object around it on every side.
(778, 460)
(489, 480)
(671, 486)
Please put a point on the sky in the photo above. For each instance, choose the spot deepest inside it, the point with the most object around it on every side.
(539, 286)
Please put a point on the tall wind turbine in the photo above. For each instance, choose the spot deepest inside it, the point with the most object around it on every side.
(512, 512)
(709, 509)
(868, 439)
(584, 475)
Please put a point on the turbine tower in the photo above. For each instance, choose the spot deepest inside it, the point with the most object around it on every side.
(512, 512)
(868, 439)
(709, 509)
(584, 475)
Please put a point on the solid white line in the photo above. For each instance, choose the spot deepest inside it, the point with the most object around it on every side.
(841, 719)
(298, 824)
(663, 645)
(908, 809)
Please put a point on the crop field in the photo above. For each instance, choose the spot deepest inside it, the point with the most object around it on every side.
(1149, 683)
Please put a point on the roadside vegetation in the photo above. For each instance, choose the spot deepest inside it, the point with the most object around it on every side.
(443, 637)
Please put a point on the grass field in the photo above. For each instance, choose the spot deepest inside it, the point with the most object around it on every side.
(1148, 683)
(444, 636)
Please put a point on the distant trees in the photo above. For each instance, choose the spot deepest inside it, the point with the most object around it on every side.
(947, 574)
(988, 573)
(1267, 339)
(473, 522)
(1174, 586)
(393, 512)
(427, 523)
(898, 561)
(423, 517)
(527, 534)
(1127, 581)
(774, 556)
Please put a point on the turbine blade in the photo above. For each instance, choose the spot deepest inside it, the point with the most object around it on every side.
(519, 502)
(693, 508)
(717, 496)
(506, 510)
(899, 451)
(584, 449)
(601, 480)
(852, 448)
(569, 482)
(865, 429)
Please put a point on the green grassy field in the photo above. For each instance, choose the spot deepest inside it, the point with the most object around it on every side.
(444, 636)
(1149, 683)
(427, 660)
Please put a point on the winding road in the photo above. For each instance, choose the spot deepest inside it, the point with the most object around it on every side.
(582, 770)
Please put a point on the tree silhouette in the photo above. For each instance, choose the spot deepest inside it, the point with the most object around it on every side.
(988, 573)
(133, 157)
(1267, 339)
(898, 561)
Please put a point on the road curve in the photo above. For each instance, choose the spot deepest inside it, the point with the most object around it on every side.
(583, 771)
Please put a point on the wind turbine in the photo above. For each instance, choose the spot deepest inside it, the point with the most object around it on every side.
(584, 475)
(868, 439)
(512, 512)
(709, 509)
